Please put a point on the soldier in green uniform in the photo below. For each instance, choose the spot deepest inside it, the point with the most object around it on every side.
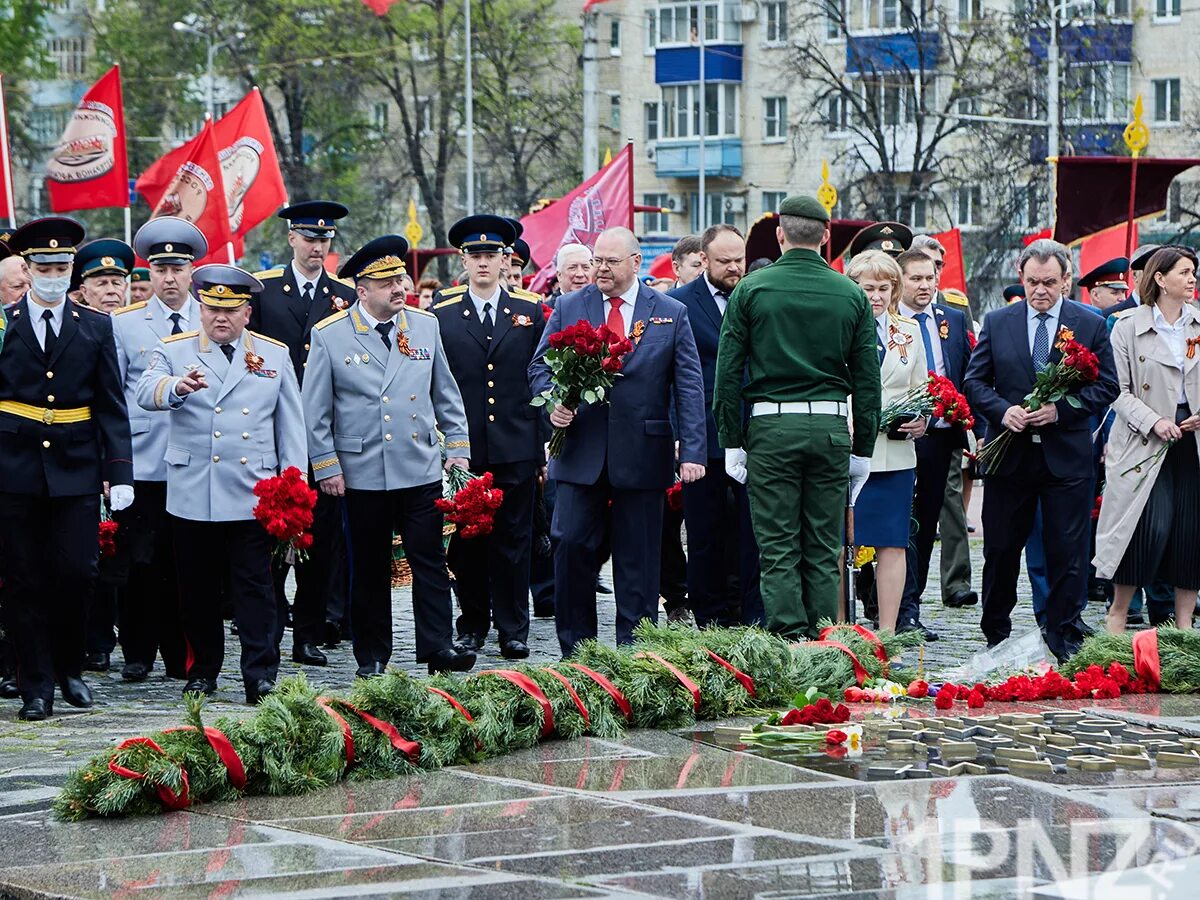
(797, 340)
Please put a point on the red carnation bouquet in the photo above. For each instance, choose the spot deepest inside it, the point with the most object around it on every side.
(470, 503)
(584, 362)
(1077, 367)
(937, 397)
(108, 538)
(285, 510)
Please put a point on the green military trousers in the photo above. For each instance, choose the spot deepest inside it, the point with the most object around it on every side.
(798, 468)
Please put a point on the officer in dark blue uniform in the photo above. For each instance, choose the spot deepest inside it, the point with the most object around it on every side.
(64, 439)
(490, 337)
(296, 297)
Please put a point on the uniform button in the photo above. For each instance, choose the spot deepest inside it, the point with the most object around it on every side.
(50, 398)
(387, 437)
(491, 384)
(1145, 387)
(306, 346)
(217, 410)
(491, 400)
(216, 459)
(491, 418)
(245, 435)
(412, 396)
(414, 415)
(414, 435)
(216, 434)
(1141, 359)
(490, 367)
(387, 418)
(49, 374)
(245, 411)
(243, 460)
(385, 399)
(304, 365)
(46, 444)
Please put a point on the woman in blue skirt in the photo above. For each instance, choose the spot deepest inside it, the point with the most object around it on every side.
(884, 507)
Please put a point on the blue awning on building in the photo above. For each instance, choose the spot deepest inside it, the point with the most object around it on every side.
(1100, 42)
(681, 65)
(902, 52)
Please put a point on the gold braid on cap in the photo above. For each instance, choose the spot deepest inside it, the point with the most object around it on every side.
(384, 267)
(222, 295)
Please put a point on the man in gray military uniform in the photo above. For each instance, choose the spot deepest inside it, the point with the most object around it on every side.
(224, 438)
(377, 390)
(149, 608)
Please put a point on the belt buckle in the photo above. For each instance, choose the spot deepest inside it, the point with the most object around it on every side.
(47, 417)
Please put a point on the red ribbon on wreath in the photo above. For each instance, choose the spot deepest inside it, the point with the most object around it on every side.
(411, 749)
(570, 690)
(692, 687)
(169, 798)
(867, 635)
(529, 686)
(347, 734)
(860, 674)
(1145, 657)
(609, 688)
(746, 681)
(223, 747)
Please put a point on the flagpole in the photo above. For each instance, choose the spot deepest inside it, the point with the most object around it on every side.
(4, 161)
(470, 111)
(1137, 138)
(128, 226)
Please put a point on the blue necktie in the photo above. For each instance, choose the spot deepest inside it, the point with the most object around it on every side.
(930, 364)
(1041, 343)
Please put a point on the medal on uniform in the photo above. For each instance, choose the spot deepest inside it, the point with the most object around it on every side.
(1191, 347)
(639, 328)
(402, 342)
(254, 362)
(944, 330)
(899, 340)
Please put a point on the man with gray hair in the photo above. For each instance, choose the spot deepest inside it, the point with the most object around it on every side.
(1050, 458)
(14, 279)
(573, 263)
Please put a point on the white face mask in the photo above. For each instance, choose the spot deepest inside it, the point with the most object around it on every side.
(51, 288)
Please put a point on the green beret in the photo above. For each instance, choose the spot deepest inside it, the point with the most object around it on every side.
(804, 207)
(139, 274)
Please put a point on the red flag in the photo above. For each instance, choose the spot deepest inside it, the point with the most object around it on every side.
(587, 4)
(6, 194)
(603, 201)
(954, 271)
(249, 165)
(1100, 248)
(187, 183)
(1044, 234)
(380, 7)
(1093, 192)
(88, 169)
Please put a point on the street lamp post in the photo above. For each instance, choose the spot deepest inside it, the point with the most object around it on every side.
(470, 111)
(211, 51)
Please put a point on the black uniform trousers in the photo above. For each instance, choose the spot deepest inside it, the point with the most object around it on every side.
(491, 572)
(149, 601)
(583, 520)
(722, 561)
(673, 562)
(1009, 505)
(934, 452)
(314, 576)
(48, 554)
(373, 517)
(238, 554)
(541, 554)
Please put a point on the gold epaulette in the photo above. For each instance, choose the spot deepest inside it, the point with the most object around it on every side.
(343, 281)
(179, 337)
(88, 308)
(269, 340)
(449, 302)
(954, 301)
(130, 308)
(419, 311)
(453, 289)
(329, 320)
(268, 273)
(531, 296)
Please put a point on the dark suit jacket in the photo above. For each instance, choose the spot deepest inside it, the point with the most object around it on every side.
(1001, 375)
(956, 348)
(280, 312)
(705, 320)
(63, 460)
(493, 376)
(632, 431)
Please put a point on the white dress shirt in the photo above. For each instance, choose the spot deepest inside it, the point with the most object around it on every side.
(302, 280)
(630, 297)
(1175, 337)
(719, 296)
(478, 301)
(929, 323)
(1051, 323)
(39, 324)
(372, 322)
(182, 312)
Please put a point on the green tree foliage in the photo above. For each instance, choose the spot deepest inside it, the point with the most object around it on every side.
(22, 58)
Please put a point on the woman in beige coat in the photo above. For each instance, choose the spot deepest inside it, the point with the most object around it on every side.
(1150, 514)
(883, 511)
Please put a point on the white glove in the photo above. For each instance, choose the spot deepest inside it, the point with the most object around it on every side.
(735, 464)
(120, 496)
(860, 470)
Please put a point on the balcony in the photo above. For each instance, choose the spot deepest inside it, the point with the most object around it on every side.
(902, 52)
(681, 158)
(681, 65)
(1099, 139)
(1086, 43)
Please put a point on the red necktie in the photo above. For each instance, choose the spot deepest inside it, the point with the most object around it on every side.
(616, 324)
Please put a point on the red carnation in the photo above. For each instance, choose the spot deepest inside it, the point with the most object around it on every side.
(943, 700)
(918, 689)
(975, 699)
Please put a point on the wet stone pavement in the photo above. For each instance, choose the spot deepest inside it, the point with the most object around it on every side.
(692, 814)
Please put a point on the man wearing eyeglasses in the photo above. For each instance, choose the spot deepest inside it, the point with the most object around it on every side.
(619, 456)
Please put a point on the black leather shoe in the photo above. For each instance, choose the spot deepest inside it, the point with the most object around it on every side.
(309, 655)
(96, 662)
(370, 670)
(36, 710)
(927, 633)
(75, 692)
(514, 650)
(601, 587)
(333, 635)
(469, 643)
(962, 598)
(134, 671)
(206, 686)
(8, 688)
(451, 661)
(256, 690)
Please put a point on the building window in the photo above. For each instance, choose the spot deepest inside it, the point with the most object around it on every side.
(656, 222)
(918, 209)
(967, 106)
(614, 37)
(776, 23)
(1120, 9)
(891, 99)
(886, 15)
(651, 30)
(651, 114)
(679, 23)
(1174, 213)
(970, 205)
(68, 55)
(47, 123)
(774, 118)
(836, 116)
(1166, 100)
(835, 19)
(681, 110)
(970, 11)
(1096, 92)
(379, 115)
(614, 112)
(1166, 9)
(771, 201)
(722, 209)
